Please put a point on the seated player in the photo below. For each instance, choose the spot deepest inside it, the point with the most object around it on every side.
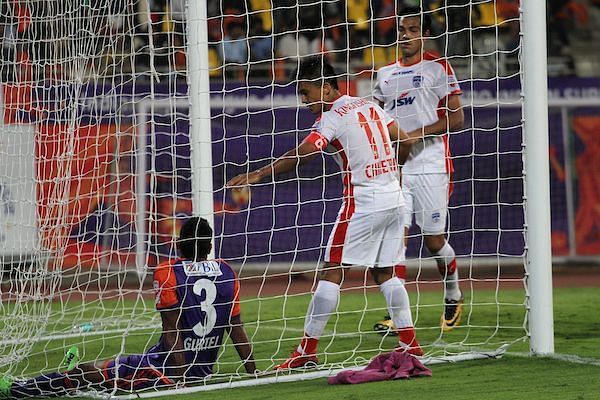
(198, 301)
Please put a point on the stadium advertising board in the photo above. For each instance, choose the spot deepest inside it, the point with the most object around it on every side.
(258, 123)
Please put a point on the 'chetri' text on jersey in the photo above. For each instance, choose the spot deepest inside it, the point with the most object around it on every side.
(381, 167)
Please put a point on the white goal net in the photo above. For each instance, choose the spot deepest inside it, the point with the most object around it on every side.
(96, 174)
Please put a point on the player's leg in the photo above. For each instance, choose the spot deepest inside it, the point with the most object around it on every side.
(445, 258)
(54, 384)
(393, 289)
(387, 324)
(407, 220)
(432, 202)
(134, 372)
(323, 303)
(350, 243)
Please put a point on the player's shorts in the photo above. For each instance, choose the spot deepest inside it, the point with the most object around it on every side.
(136, 372)
(368, 239)
(426, 198)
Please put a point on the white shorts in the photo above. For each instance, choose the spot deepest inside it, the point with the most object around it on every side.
(426, 198)
(367, 239)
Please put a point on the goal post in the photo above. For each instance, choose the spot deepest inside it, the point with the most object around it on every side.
(199, 95)
(537, 191)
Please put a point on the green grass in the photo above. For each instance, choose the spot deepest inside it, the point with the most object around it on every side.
(490, 320)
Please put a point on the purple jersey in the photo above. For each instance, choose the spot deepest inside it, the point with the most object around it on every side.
(206, 293)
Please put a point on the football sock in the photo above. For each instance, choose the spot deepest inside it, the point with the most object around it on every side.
(400, 271)
(446, 262)
(323, 303)
(397, 301)
(407, 337)
(47, 385)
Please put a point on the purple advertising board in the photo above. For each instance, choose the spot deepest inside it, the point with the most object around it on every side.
(290, 219)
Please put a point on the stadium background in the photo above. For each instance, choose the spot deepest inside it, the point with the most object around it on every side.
(486, 214)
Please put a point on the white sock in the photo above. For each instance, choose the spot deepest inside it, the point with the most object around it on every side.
(397, 301)
(446, 259)
(323, 303)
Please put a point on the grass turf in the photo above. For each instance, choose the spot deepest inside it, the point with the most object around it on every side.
(491, 318)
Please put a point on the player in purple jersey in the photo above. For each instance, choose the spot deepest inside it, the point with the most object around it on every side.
(198, 301)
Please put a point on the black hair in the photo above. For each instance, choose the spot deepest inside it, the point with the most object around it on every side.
(317, 70)
(417, 12)
(195, 239)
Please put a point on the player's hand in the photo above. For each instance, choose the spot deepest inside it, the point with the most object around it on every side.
(414, 137)
(243, 180)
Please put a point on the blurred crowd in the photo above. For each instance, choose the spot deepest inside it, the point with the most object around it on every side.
(258, 38)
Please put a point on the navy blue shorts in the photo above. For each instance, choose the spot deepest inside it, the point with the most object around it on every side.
(136, 372)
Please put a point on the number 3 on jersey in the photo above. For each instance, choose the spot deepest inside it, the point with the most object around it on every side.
(365, 125)
(203, 328)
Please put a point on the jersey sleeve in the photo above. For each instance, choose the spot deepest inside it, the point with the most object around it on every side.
(323, 131)
(385, 116)
(377, 92)
(446, 82)
(165, 286)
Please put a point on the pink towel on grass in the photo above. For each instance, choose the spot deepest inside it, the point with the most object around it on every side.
(394, 365)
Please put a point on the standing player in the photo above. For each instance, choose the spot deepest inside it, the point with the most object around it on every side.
(421, 92)
(198, 301)
(368, 230)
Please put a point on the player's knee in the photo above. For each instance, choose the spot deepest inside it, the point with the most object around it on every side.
(435, 242)
(381, 275)
(332, 273)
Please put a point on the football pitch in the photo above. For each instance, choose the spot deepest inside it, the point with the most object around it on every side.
(491, 318)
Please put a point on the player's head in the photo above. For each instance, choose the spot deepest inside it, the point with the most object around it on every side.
(414, 27)
(317, 83)
(195, 239)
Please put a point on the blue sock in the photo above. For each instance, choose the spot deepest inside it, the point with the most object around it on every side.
(48, 385)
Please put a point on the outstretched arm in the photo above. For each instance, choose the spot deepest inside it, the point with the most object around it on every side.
(242, 343)
(286, 163)
(452, 120)
(174, 344)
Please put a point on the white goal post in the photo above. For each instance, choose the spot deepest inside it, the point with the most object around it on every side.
(535, 128)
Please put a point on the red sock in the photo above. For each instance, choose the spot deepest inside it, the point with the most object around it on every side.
(450, 268)
(400, 271)
(308, 345)
(407, 336)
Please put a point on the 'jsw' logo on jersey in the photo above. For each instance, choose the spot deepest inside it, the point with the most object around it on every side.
(403, 100)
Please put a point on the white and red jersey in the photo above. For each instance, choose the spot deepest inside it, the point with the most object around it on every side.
(355, 132)
(412, 94)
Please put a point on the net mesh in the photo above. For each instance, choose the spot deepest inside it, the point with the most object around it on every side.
(96, 177)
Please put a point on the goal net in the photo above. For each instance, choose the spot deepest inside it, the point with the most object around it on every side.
(96, 175)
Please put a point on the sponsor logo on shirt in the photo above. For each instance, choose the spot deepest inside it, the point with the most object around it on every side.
(409, 71)
(417, 81)
(157, 290)
(201, 268)
(452, 81)
(403, 100)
